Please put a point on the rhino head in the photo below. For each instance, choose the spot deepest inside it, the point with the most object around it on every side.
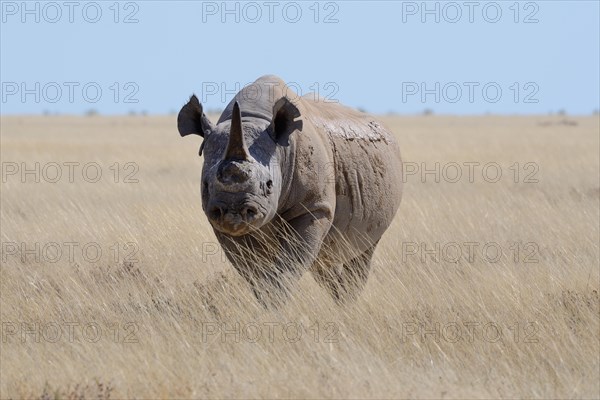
(243, 174)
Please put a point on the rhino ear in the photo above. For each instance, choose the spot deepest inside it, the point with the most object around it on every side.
(284, 121)
(191, 119)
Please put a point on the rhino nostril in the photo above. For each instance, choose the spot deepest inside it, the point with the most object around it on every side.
(216, 212)
(249, 212)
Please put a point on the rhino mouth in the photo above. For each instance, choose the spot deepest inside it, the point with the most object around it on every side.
(235, 227)
(235, 221)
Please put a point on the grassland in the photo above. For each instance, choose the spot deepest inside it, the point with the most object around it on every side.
(484, 287)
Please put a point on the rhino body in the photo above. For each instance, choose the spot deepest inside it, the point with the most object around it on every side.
(296, 183)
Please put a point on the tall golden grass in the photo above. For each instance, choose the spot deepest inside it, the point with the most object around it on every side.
(162, 314)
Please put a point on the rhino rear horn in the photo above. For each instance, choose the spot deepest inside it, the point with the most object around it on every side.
(284, 120)
(191, 119)
(236, 146)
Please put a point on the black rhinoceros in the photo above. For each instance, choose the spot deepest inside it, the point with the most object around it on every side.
(294, 183)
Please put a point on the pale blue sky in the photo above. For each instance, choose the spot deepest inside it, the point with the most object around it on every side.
(378, 55)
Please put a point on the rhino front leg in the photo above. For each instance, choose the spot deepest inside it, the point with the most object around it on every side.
(299, 244)
(345, 281)
(272, 260)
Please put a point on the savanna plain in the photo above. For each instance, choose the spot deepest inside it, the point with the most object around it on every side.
(485, 286)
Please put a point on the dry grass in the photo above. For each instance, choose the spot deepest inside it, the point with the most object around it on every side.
(163, 318)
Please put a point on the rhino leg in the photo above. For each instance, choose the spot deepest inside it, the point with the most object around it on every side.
(273, 263)
(299, 247)
(272, 291)
(345, 281)
(250, 257)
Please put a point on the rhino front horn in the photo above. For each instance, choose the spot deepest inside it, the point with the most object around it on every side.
(236, 147)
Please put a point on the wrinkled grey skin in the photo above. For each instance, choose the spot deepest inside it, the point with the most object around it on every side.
(277, 165)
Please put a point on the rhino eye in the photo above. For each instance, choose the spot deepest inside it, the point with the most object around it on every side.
(269, 184)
